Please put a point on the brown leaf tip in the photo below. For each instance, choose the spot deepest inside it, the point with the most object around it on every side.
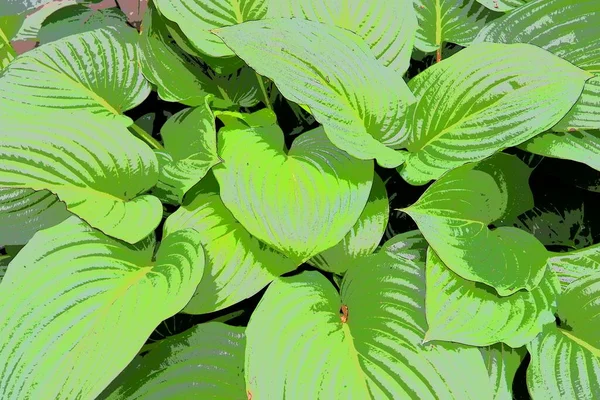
(344, 313)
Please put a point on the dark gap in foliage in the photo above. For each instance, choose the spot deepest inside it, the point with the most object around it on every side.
(519, 386)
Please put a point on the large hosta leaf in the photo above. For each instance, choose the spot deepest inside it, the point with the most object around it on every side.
(361, 105)
(190, 140)
(502, 363)
(372, 349)
(237, 264)
(481, 100)
(96, 71)
(467, 312)
(390, 38)
(565, 361)
(576, 264)
(204, 362)
(198, 18)
(23, 212)
(302, 202)
(93, 303)
(92, 163)
(582, 146)
(12, 7)
(568, 29)
(455, 21)
(454, 213)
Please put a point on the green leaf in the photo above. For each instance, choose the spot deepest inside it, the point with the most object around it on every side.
(410, 245)
(576, 264)
(491, 85)
(455, 21)
(69, 332)
(100, 172)
(391, 39)
(363, 238)
(302, 202)
(463, 311)
(361, 105)
(12, 7)
(32, 22)
(80, 18)
(23, 212)
(376, 353)
(502, 363)
(198, 18)
(565, 361)
(502, 5)
(568, 29)
(582, 146)
(237, 264)
(206, 361)
(7, 53)
(454, 213)
(95, 71)
(190, 140)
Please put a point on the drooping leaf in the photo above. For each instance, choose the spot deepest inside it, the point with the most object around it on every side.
(361, 105)
(190, 140)
(391, 39)
(463, 311)
(80, 18)
(502, 5)
(94, 302)
(91, 163)
(582, 146)
(23, 212)
(198, 18)
(302, 202)
(12, 7)
(95, 71)
(206, 361)
(481, 100)
(502, 363)
(363, 238)
(237, 264)
(576, 264)
(371, 350)
(454, 21)
(568, 29)
(454, 213)
(565, 360)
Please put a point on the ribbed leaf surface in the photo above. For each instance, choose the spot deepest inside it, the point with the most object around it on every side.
(575, 264)
(502, 5)
(502, 363)
(12, 7)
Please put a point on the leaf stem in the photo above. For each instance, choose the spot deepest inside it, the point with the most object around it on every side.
(146, 137)
(264, 91)
(438, 54)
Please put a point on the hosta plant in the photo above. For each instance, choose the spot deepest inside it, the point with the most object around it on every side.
(309, 199)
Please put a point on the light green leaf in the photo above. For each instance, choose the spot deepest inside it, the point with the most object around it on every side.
(485, 85)
(455, 21)
(391, 39)
(7, 53)
(579, 308)
(576, 264)
(33, 21)
(454, 213)
(568, 29)
(23, 212)
(12, 7)
(95, 71)
(237, 264)
(69, 332)
(468, 312)
(410, 245)
(361, 106)
(502, 363)
(91, 163)
(502, 5)
(190, 140)
(369, 351)
(363, 238)
(198, 18)
(302, 202)
(205, 362)
(582, 146)
(80, 18)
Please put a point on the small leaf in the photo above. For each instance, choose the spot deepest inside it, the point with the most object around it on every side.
(69, 332)
(361, 106)
(207, 361)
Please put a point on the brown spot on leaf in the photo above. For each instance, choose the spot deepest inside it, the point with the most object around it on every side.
(249, 393)
(344, 313)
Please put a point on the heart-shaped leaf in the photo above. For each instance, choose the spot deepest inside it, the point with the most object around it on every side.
(485, 85)
(390, 38)
(454, 213)
(302, 202)
(361, 105)
(70, 331)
